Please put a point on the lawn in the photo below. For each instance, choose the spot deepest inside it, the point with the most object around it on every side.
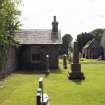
(20, 88)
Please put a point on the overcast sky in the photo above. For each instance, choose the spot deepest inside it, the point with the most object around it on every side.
(74, 16)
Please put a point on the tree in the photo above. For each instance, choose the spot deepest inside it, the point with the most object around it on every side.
(83, 38)
(103, 45)
(9, 24)
(67, 39)
(97, 34)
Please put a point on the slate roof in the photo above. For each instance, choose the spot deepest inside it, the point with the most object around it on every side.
(37, 36)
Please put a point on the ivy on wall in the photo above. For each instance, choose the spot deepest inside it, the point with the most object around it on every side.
(9, 25)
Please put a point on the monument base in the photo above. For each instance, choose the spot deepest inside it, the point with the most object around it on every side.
(76, 75)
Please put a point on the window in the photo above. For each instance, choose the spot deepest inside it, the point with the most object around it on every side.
(35, 57)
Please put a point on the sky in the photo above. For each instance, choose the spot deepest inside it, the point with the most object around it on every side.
(74, 16)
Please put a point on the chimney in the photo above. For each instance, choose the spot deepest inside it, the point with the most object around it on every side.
(54, 25)
(54, 29)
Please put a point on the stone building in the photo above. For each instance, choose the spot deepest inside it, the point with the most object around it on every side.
(35, 44)
(91, 50)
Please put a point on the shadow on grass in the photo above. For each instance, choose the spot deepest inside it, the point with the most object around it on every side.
(78, 81)
(37, 72)
(29, 71)
(58, 71)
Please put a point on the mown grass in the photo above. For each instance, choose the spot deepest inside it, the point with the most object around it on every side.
(83, 60)
(20, 87)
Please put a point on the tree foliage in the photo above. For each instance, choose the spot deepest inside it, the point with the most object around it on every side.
(83, 38)
(9, 24)
(67, 40)
(97, 34)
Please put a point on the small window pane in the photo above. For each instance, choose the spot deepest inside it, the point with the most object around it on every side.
(35, 57)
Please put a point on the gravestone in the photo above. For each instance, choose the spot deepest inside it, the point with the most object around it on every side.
(47, 63)
(41, 86)
(65, 61)
(41, 97)
(38, 96)
(76, 66)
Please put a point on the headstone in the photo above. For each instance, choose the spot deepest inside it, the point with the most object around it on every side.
(76, 66)
(47, 63)
(41, 98)
(41, 86)
(65, 61)
(38, 99)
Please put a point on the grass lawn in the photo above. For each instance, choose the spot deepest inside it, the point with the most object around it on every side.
(20, 88)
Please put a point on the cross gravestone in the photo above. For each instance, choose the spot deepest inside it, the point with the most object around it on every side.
(76, 66)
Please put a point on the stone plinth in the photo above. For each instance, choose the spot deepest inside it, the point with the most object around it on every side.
(76, 66)
(76, 72)
(74, 76)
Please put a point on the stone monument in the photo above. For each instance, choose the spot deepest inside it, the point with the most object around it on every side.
(47, 63)
(41, 97)
(76, 66)
(65, 61)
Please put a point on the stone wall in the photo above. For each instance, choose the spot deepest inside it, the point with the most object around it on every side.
(11, 63)
(43, 50)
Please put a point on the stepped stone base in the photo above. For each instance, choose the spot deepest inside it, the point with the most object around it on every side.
(76, 75)
(76, 72)
(76, 66)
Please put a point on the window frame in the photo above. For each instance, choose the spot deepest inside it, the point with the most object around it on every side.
(35, 50)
